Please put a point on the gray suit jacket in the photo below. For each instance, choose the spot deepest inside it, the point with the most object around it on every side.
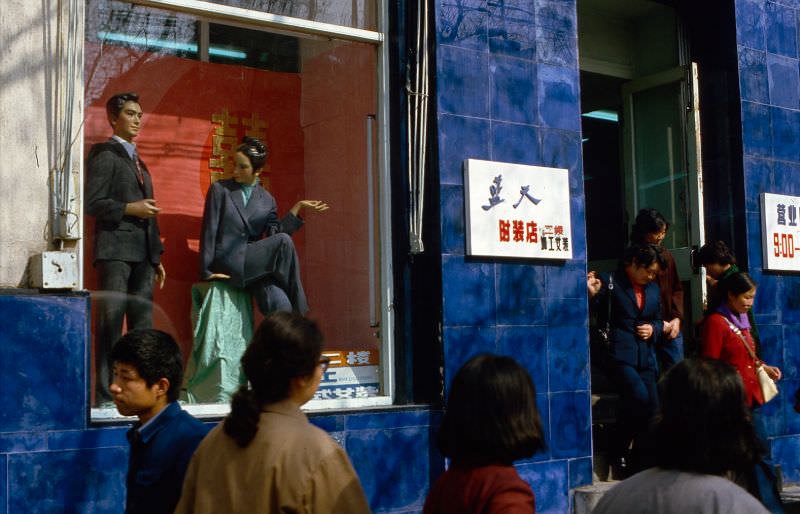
(228, 226)
(112, 182)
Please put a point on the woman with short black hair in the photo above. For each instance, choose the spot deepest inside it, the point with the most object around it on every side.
(704, 438)
(650, 227)
(266, 456)
(491, 420)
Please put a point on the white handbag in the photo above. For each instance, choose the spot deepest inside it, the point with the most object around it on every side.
(768, 388)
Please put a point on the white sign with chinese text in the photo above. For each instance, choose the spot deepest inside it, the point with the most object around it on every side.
(780, 237)
(514, 210)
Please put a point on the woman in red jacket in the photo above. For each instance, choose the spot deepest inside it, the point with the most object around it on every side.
(722, 330)
(490, 421)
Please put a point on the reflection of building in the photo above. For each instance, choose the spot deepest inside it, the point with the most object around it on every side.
(509, 86)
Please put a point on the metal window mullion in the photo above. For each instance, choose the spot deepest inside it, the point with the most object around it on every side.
(260, 19)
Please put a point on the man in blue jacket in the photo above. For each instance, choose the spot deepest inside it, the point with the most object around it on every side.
(148, 372)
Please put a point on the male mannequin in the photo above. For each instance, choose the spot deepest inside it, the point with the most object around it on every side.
(127, 243)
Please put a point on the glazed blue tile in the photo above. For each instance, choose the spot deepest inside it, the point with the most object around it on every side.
(513, 89)
(785, 134)
(578, 213)
(520, 294)
(788, 388)
(399, 478)
(389, 420)
(781, 30)
(518, 144)
(754, 243)
(768, 418)
(4, 484)
(556, 33)
(786, 174)
(784, 81)
(750, 23)
(790, 301)
(772, 344)
(556, 47)
(88, 439)
(452, 216)
(570, 424)
(559, 99)
(567, 313)
(462, 81)
(22, 442)
(791, 352)
(786, 452)
(753, 79)
(549, 481)
(543, 406)
(568, 358)
(567, 280)
(469, 292)
(512, 29)
(460, 138)
(759, 178)
(769, 299)
(580, 472)
(756, 129)
(328, 423)
(528, 346)
(557, 16)
(461, 344)
(462, 23)
(70, 481)
(562, 149)
(42, 394)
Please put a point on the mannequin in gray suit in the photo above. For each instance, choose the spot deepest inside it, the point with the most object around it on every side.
(245, 243)
(127, 243)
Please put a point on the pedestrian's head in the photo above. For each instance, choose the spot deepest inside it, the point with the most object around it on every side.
(650, 226)
(704, 425)
(739, 291)
(642, 263)
(282, 362)
(716, 258)
(491, 415)
(148, 372)
(124, 115)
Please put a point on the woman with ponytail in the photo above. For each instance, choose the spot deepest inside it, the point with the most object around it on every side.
(266, 456)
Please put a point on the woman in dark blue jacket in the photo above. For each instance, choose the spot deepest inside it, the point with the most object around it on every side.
(635, 325)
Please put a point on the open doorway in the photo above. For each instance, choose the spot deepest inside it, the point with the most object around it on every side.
(640, 124)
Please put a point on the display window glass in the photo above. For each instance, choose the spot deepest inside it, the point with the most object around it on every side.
(361, 14)
(315, 102)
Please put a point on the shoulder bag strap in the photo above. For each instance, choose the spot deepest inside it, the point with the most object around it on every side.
(744, 341)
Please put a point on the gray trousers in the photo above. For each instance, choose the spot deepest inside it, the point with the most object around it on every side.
(126, 290)
(272, 275)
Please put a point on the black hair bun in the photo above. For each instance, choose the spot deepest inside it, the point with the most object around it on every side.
(255, 150)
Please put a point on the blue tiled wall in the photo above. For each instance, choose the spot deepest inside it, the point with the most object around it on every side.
(53, 460)
(767, 37)
(508, 90)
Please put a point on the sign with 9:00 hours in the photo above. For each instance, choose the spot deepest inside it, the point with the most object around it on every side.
(780, 232)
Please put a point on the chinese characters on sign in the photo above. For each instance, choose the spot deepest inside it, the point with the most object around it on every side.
(351, 374)
(515, 210)
(780, 240)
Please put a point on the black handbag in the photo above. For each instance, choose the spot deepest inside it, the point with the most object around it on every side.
(600, 332)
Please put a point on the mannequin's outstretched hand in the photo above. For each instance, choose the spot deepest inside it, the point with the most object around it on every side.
(314, 205)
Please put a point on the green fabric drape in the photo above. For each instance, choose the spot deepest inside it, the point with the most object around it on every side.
(222, 317)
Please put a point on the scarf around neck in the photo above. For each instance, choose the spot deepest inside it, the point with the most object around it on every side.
(739, 321)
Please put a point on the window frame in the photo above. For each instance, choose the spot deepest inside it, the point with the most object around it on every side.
(206, 13)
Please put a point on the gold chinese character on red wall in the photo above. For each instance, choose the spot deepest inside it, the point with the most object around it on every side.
(227, 133)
